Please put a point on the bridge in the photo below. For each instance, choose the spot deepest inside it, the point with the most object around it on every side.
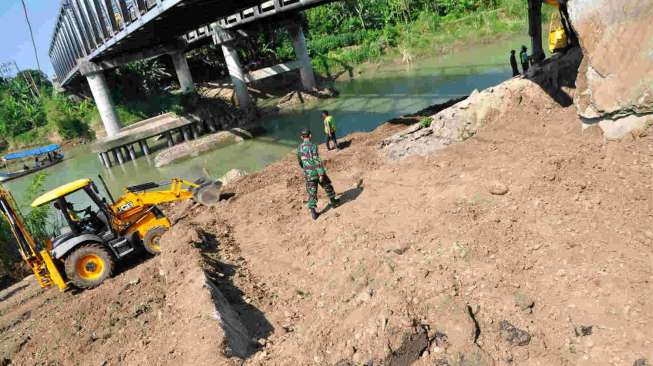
(93, 36)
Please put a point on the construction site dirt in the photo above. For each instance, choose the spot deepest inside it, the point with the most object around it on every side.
(529, 243)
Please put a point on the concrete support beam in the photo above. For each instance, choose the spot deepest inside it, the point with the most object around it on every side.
(305, 66)
(100, 90)
(237, 76)
(183, 72)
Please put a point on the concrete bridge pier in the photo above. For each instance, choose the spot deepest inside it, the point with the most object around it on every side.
(237, 76)
(100, 90)
(183, 71)
(305, 67)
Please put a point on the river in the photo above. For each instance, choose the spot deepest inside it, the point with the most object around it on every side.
(366, 101)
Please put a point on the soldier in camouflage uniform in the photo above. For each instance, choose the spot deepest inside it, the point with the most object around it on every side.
(314, 172)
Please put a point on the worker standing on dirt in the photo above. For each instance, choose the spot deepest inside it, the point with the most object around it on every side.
(329, 130)
(513, 63)
(523, 57)
(314, 172)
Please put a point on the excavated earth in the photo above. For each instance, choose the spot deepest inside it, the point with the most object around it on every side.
(528, 243)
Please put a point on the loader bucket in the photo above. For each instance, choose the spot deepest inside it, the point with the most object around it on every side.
(208, 193)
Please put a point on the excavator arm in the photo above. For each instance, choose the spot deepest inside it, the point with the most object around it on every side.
(177, 190)
(39, 261)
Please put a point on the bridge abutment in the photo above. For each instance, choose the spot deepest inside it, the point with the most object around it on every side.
(305, 66)
(183, 71)
(102, 96)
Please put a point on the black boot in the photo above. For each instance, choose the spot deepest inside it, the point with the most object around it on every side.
(314, 214)
(334, 202)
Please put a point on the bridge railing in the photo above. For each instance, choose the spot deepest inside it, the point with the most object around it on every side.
(83, 26)
(248, 15)
(87, 28)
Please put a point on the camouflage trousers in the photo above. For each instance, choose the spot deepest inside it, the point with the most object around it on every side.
(311, 189)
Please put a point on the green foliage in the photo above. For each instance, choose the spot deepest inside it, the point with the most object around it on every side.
(37, 218)
(425, 122)
(138, 79)
(20, 108)
(67, 117)
(345, 33)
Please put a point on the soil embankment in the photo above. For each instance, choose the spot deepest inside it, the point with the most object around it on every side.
(525, 241)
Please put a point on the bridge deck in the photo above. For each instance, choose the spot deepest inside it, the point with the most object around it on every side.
(98, 30)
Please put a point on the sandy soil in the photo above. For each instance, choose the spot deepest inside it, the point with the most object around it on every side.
(528, 244)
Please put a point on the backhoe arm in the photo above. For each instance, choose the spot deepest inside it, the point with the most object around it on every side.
(39, 261)
(178, 190)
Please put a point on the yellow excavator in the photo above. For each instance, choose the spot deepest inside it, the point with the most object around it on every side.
(558, 27)
(94, 239)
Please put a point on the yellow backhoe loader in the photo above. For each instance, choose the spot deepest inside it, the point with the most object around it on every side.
(94, 239)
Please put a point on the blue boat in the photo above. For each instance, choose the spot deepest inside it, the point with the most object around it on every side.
(40, 157)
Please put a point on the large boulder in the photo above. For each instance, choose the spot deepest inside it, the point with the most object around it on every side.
(616, 77)
(202, 145)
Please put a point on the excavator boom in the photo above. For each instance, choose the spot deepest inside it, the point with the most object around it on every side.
(39, 261)
(206, 193)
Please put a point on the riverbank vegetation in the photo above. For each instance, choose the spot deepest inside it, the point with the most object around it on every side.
(347, 33)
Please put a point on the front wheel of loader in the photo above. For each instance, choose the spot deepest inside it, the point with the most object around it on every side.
(89, 265)
(152, 240)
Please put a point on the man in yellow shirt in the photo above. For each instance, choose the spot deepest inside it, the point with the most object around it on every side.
(329, 130)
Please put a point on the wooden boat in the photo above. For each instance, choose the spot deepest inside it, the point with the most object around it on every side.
(43, 157)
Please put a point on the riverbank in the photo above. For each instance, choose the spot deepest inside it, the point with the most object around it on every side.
(506, 247)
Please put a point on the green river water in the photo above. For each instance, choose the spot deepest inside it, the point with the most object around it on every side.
(365, 102)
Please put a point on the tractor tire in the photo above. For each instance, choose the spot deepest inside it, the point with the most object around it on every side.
(89, 265)
(152, 239)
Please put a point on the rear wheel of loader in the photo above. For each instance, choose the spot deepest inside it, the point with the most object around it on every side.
(152, 239)
(89, 265)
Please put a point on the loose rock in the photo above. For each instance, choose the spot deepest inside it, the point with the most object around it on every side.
(523, 302)
(498, 189)
(583, 330)
(514, 335)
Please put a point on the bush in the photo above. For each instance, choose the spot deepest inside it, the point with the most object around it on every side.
(425, 122)
(67, 118)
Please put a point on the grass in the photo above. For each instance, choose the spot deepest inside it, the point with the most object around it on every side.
(427, 36)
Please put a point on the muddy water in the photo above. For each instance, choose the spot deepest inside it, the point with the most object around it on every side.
(366, 100)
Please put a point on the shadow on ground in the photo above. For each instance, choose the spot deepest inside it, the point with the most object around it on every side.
(558, 72)
(222, 274)
(344, 198)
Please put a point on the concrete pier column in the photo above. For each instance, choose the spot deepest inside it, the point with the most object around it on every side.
(125, 153)
(104, 157)
(195, 128)
(183, 71)
(170, 140)
(301, 52)
(102, 97)
(132, 152)
(144, 148)
(237, 76)
(187, 135)
(118, 155)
